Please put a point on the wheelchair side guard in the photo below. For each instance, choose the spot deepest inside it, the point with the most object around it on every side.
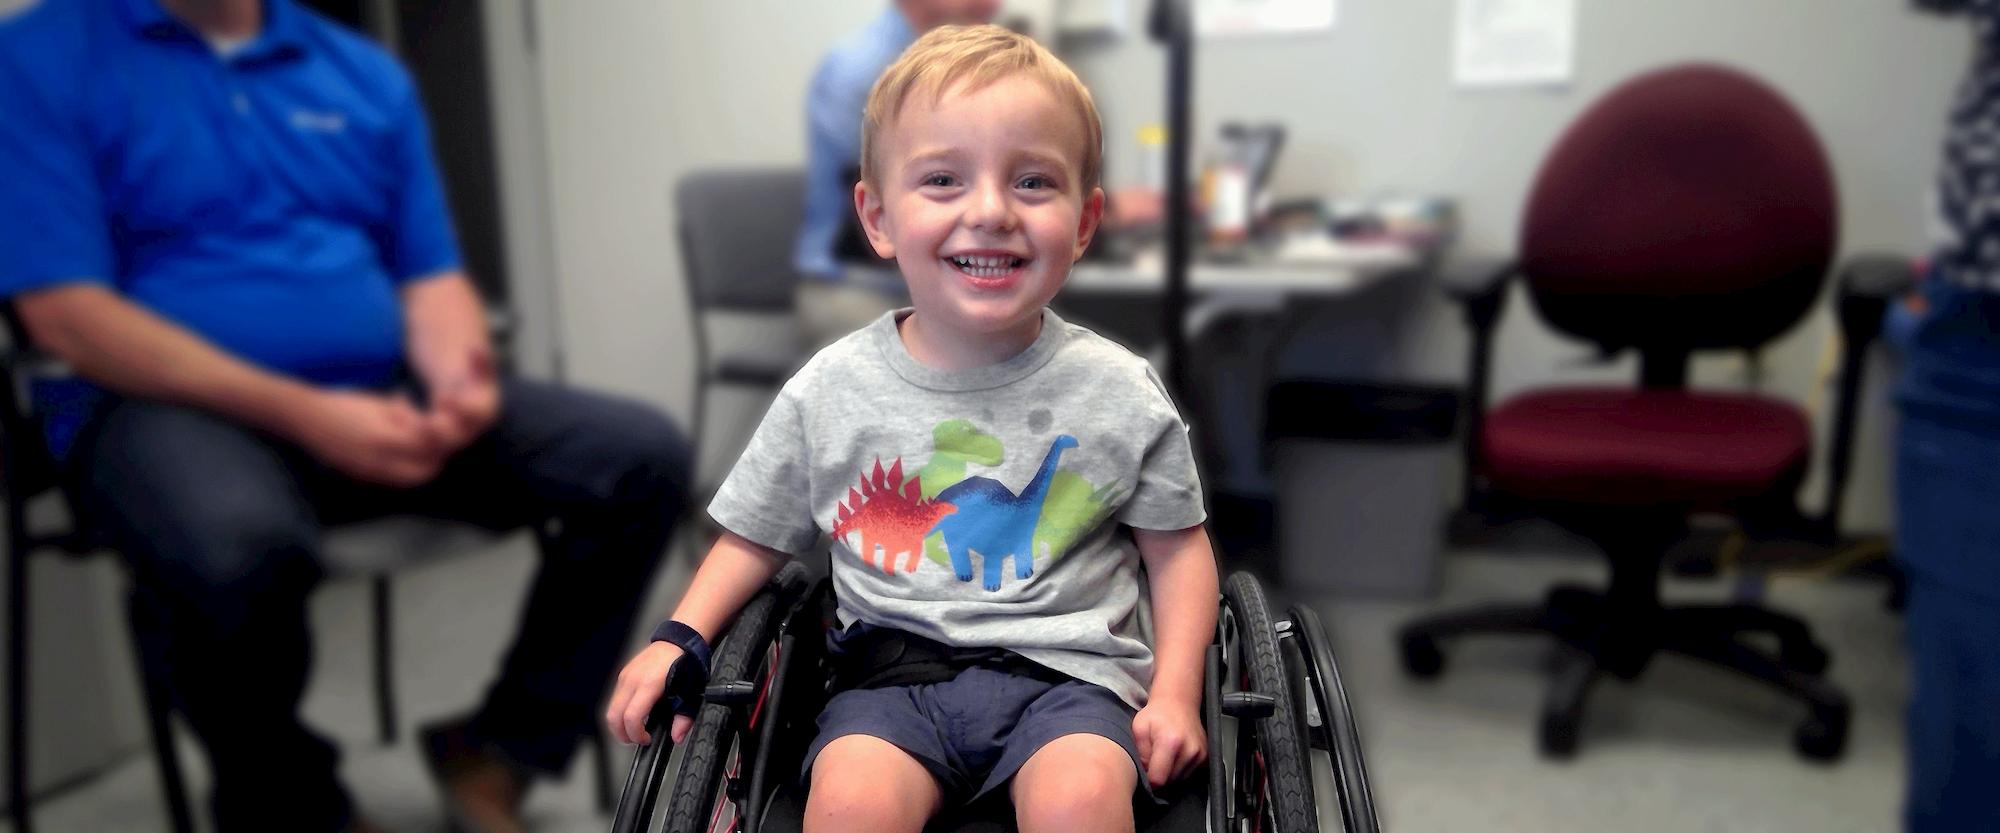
(1330, 718)
(799, 630)
(730, 681)
(1211, 719)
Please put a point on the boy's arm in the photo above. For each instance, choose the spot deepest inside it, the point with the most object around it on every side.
(735, 570)
(1180, 567)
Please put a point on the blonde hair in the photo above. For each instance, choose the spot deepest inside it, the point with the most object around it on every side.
(976, 56)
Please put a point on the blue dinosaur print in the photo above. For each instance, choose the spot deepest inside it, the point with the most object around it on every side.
(996, 522)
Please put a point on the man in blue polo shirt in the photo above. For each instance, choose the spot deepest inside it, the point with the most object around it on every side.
(224, 215)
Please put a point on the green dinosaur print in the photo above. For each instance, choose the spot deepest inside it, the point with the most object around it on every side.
(956, 443)
(1074, 507)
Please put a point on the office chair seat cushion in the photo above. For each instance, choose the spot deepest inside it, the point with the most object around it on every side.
(1634, 447)
(385, 544)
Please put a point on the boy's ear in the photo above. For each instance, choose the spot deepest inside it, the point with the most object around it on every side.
(868, 205)
(1086, 227)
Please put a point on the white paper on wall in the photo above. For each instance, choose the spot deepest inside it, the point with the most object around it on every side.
(1514, 42)
(1230, 18)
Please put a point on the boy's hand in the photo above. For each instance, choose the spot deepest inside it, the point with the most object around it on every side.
(1170, 739)
(639, 688)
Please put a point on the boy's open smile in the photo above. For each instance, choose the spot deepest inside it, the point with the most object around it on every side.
(988, 269)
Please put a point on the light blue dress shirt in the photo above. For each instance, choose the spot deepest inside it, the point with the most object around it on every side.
(834, 103)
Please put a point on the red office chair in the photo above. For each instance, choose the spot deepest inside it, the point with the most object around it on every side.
(1689, 209)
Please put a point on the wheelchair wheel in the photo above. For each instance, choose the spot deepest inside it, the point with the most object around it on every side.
(712, 788)
(1269, 788)
(716, 747)
(1331, 728)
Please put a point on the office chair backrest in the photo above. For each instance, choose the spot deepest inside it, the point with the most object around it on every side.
(1689, 208)
(737, 230)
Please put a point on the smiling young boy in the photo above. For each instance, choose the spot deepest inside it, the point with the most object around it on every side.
(992, 479)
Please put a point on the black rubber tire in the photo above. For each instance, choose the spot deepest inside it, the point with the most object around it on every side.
(1284, 750)
(1340, 736)
(1421, 657)
(705, 752)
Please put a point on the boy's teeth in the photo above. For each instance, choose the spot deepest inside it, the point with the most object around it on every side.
(982, 263)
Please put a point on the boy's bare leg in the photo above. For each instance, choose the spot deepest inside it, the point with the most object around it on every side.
(1076, 782)
(864, 784)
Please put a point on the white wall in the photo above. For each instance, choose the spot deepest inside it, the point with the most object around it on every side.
(637, 92)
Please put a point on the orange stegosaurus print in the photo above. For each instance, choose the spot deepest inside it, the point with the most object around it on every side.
(892, 517)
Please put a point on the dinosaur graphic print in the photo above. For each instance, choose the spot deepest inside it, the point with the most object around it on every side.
(890, 516)
(950, 516)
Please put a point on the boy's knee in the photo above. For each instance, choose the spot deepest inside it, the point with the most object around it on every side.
(862, 783)
(1083, 783)
(1077, 802)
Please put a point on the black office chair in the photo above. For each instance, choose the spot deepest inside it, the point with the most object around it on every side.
(370, 549)
(737, 230)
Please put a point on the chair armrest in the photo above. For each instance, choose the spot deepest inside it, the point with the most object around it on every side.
(1867, 285)
(26, 363)
(1472, 280)
(1876, 275)
(1480, 288)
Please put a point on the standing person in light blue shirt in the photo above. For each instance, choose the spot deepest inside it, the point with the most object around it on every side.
(832, 304)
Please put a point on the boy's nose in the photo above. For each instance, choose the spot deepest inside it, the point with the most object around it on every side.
(991, 210)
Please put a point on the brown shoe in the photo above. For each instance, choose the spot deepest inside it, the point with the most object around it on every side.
(482, 792)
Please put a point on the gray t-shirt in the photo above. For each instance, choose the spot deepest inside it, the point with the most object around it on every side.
(979, 508)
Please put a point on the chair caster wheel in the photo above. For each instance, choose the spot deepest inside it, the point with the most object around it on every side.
(1809, 659)
(1558, 739)
(1421, 657)
(1823, 737)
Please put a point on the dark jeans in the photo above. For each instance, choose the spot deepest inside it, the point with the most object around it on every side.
(1948, 538)
(221, 524)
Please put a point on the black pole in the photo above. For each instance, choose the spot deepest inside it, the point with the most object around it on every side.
(1173, 23)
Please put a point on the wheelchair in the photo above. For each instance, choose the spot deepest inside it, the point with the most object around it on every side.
(1283, 746)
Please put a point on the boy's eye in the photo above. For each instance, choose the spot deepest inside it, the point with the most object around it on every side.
(1036, 181)
(940, 180)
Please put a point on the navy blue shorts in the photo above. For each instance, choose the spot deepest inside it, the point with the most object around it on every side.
(976, 730)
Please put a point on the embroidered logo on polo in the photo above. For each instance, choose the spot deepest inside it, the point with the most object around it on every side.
(328, 123)
(956, 519)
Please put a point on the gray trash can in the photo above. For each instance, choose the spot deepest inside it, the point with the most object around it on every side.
(1360, 471)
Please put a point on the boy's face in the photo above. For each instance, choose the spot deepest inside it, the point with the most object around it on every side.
(981, 203)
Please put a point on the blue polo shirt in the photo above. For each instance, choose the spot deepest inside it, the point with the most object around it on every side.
(271, 200)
